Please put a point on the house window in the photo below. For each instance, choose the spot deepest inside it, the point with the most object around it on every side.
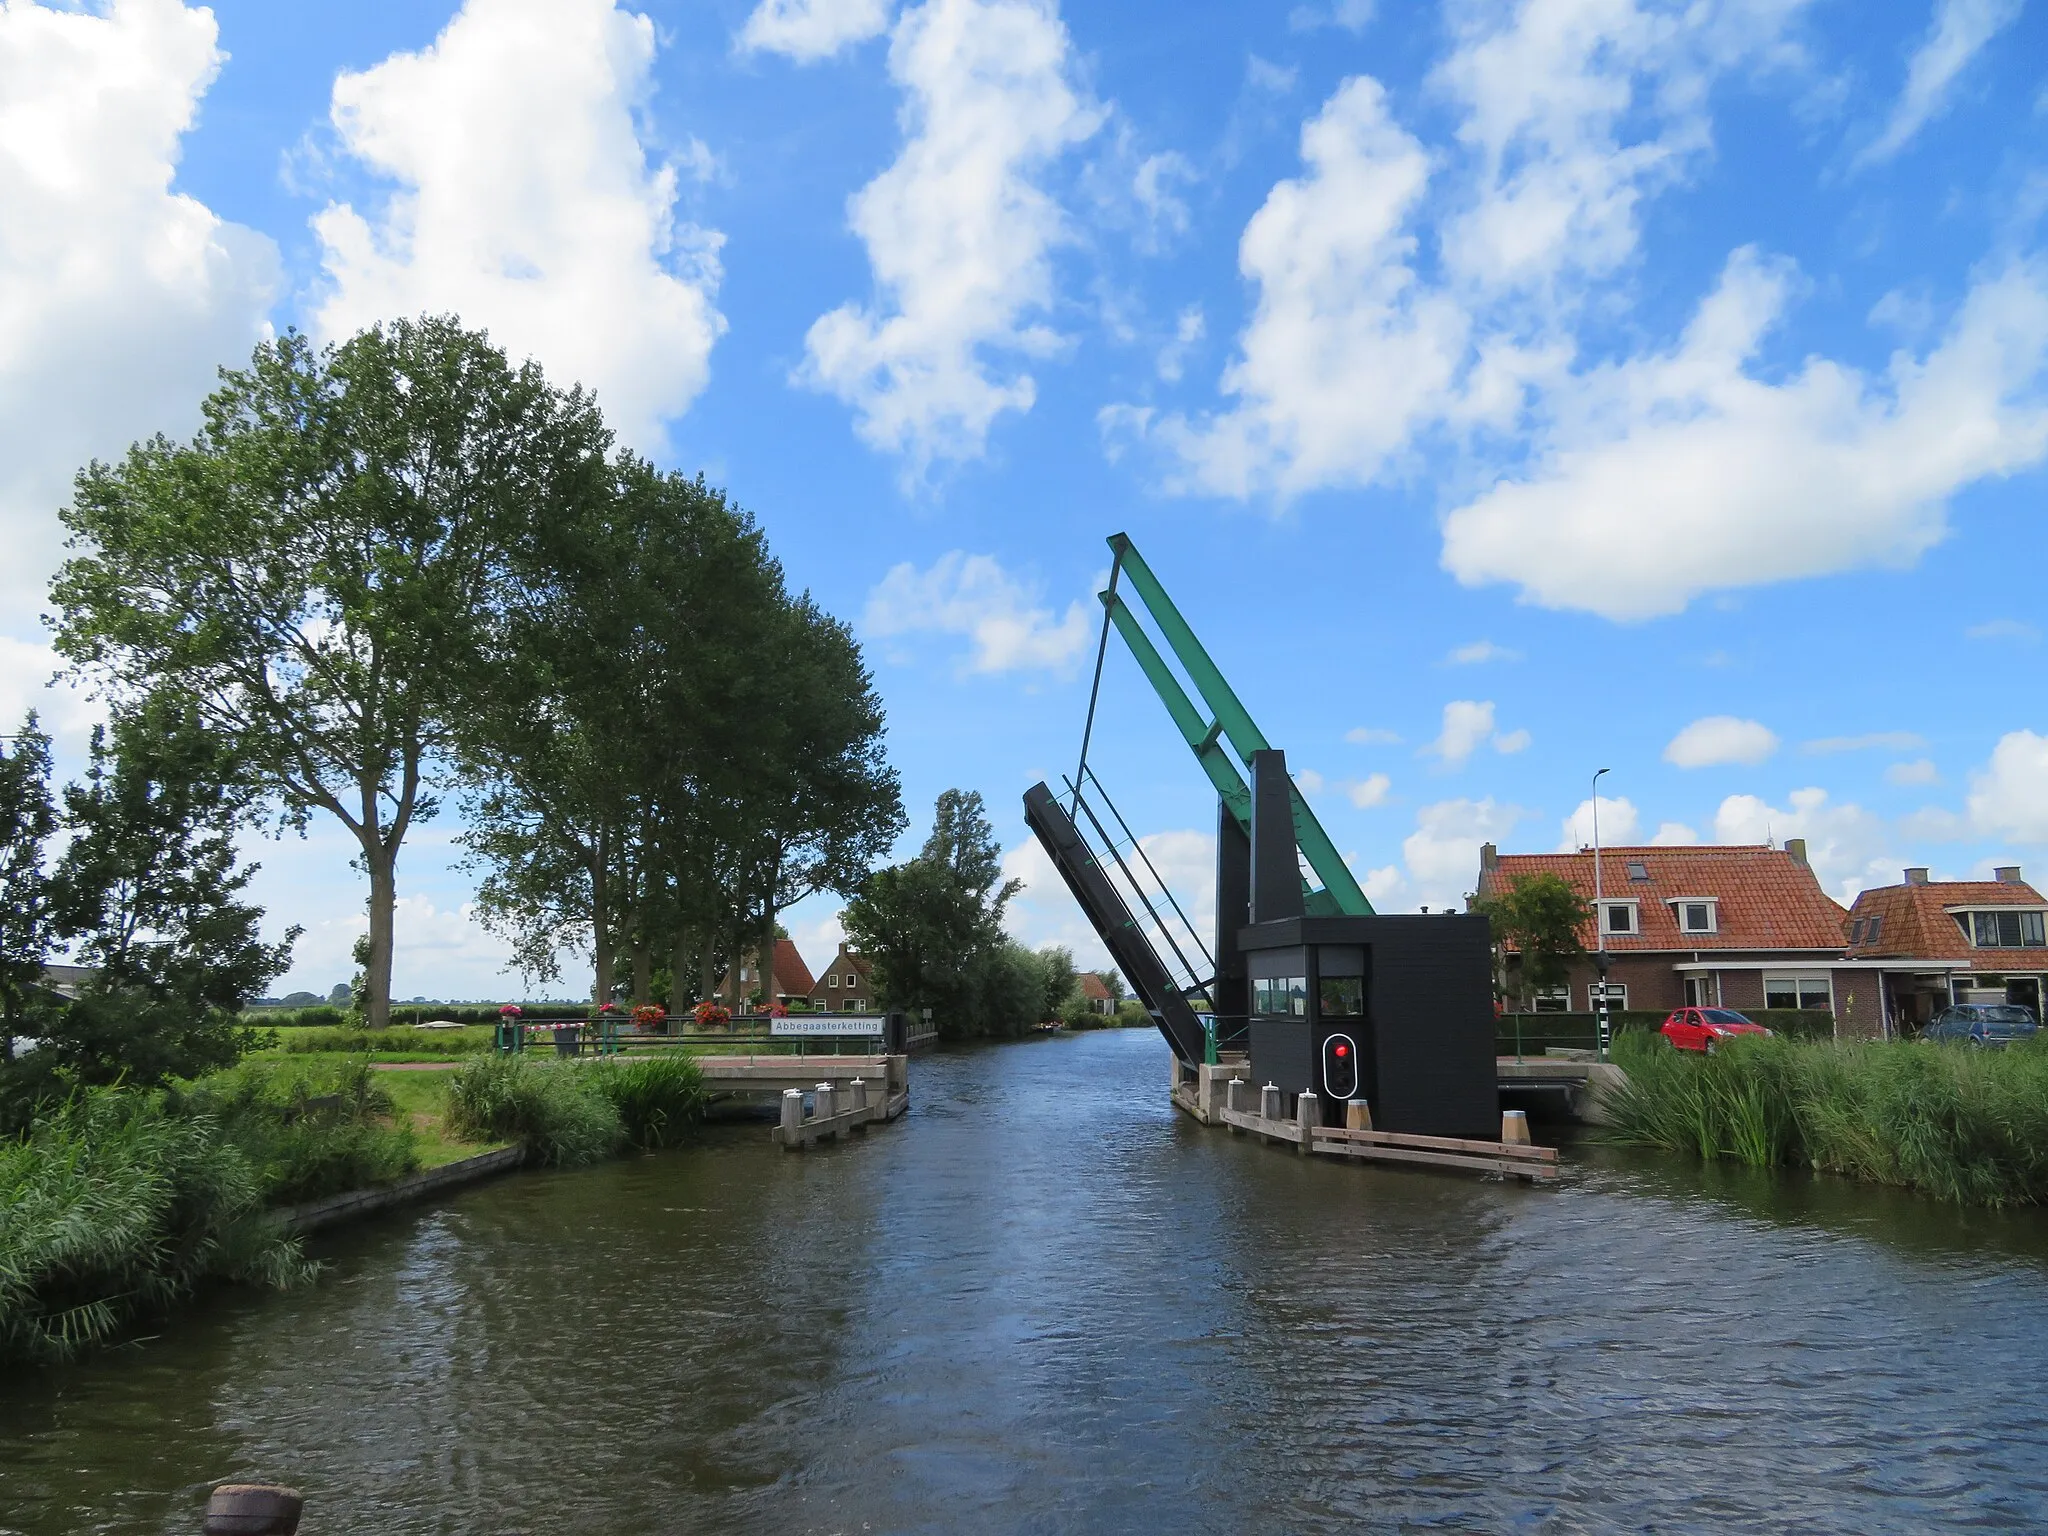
(1638, 870)
(1616, 993)
(1876, 927)
(2003, 930)
(1618, 917)
(1856, 931)
(1799, 992)
(1553, 1000)
(1285, 996)
(1695, 916)
(832, 980)
(857, 1004)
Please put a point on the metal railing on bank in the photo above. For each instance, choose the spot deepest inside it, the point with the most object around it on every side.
(810, 1034)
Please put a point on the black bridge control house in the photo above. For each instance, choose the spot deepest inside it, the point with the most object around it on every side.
(1397, 1011)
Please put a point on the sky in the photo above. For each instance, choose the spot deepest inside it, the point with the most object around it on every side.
(1505, 391)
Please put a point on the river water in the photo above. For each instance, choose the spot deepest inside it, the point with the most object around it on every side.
(1045, 1302)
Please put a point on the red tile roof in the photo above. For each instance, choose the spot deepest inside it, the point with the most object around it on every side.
(1093, 988)
(792, 976)
(1764, 897)
(1916, 922)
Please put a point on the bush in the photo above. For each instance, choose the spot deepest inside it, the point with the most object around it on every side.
(562, 1118)
(407, 1042)
(307, 1130)
(1131, 1014)
(1967, 1125)
(655, 1097)
(112, 1208)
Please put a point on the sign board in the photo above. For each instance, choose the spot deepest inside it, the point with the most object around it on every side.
(841, 1024)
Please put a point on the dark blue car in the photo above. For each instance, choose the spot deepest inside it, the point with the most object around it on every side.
(1982, 1023)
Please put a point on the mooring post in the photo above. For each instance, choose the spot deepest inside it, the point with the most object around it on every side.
(827, 1108)
(792, 1117)
(1514, 1127)
(1233, 1099)
(1308, 1114)
(1357, 1115)
(859, 1087)
(253, 1509)
(1269, 1102)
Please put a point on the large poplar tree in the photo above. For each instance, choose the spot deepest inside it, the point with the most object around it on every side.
(317, 571)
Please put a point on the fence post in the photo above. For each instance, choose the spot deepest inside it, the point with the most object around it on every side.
(253, 1509)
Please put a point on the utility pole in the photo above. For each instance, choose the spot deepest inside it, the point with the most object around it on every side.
(1599, 927)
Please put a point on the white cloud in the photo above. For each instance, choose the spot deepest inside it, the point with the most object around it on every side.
(1920, 770)
(524, 203)
(1720, 739)
(1044, 911)
(1369, 791)
(119, 297)
(1309, 781)
(1673, 834)
(1479, 652)
(63, 713)
(1346, 355)
(1961, 29)
(1164, 211)
(2003, 629)
(1620, 824)
(1372, 736)
(1188, 329)
(1351, 15)
(1383, 887)
(1507, 743)
(1012, 628)
(438, 952)
(1670, 474)
(1467, 724)
(959, 232)
(1874, 741)
(809, 30)
(2009, 797)
(1442, 853)
(1847, 846)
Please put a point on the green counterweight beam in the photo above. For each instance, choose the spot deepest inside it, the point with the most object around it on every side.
(1228, 719)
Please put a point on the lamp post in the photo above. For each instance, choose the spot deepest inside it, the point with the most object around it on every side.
(1599, 927)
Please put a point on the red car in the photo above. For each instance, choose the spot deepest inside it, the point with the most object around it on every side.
(1701, 1029)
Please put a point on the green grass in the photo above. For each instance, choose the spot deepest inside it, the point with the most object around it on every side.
(386, 1045)
(1965, 1125)
(117, 1205)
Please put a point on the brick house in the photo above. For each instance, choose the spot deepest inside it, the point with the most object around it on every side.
(1732, 927)
(1095, 993)
(845, 986)
(789, 980)
(1939, 942)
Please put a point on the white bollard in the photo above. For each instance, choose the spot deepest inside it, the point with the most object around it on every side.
(860, 1092)
(1514, 1127)
(1269, 1102)
(1308, 1114)
(826, 1108)
(792, 1116)
(1233, 1095)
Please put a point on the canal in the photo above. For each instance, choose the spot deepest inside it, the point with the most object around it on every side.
(1043, 1302)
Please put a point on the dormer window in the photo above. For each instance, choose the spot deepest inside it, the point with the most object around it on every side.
(1638, 870)
(1619, 917)
(1696, 914)
(1856, 931)
(2005, 928)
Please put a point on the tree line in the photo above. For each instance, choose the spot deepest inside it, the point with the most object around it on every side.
(401, 570)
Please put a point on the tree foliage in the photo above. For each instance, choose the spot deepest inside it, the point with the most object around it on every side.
(27, 819)
(315, 574)
(1538, 918)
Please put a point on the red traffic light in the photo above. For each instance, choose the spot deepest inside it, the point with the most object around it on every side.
(1343, 1050)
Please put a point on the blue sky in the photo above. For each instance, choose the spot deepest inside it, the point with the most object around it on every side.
(1506, 391)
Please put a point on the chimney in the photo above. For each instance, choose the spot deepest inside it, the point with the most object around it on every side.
(2008, 874)
(1489, 858)
(1916, 876)
(1796, 846)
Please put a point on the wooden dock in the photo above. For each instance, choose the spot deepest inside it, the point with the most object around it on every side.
(1221, 1094)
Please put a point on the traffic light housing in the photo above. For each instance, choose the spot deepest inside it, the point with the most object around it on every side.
(1340, 1068)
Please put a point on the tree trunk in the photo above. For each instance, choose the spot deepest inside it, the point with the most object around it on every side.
(679, 998)
(707, 973)
(383, 866)
(603, 950)
(643, 966)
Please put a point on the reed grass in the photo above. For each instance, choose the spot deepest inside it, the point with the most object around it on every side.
(115, 1206)
(562, 1117)
(656, 1097)
(1966, 1125)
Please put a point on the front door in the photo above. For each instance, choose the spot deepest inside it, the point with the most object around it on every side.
(1699, 992)
(2026, 991)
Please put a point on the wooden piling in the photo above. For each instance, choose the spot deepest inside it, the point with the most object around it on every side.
(1514, 1127)
(1357, 1115)
(253, 1509)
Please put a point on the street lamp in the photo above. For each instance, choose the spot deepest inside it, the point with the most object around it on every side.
(1599, 925)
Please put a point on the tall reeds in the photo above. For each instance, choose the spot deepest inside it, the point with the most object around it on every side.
(1968, 1126)
(113, 1207)
(575, 1114)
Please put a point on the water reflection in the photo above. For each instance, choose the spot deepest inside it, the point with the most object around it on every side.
(1043, 1302)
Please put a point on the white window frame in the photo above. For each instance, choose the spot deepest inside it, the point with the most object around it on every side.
(1708, 982)
(832, 980)
(1635, 917)
(1561, 996)
(1970, 926)
(1678, 904)
(1617, 996)
(1799, 985)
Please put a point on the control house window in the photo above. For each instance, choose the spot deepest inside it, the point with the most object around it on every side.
(1618, 917)
(1285, 996)
(1341, 997)
(1799, 992)
(2003, 929)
